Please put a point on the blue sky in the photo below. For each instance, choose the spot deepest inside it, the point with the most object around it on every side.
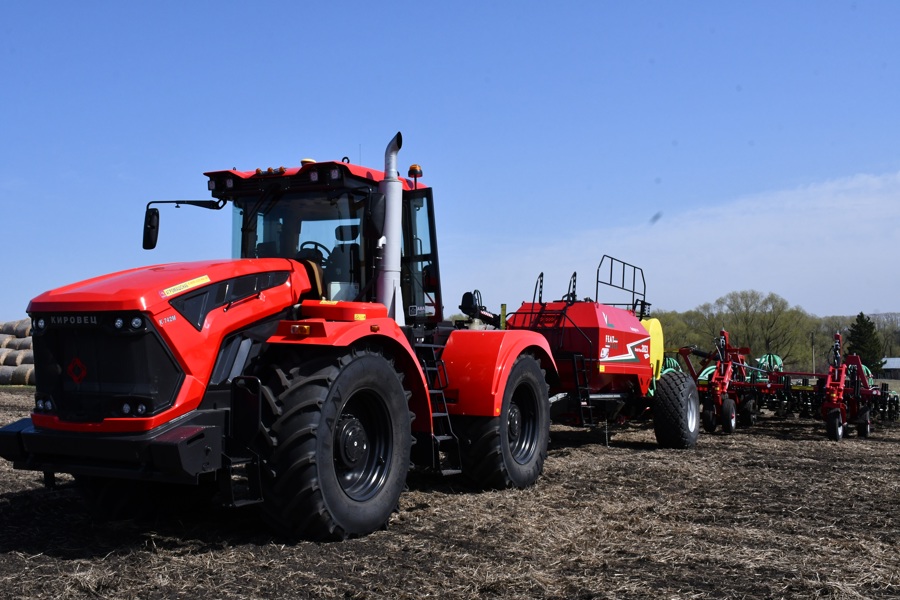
(764, 136)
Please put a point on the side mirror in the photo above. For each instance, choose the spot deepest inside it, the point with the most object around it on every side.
(375, 211)
(151, 228)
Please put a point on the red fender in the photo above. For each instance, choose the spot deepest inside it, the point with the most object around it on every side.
(367, 326)
(478, 365)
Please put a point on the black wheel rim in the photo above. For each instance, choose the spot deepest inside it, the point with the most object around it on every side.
(522, 425)
(362, 446)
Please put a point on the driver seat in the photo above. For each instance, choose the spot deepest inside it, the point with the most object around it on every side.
(342, 265)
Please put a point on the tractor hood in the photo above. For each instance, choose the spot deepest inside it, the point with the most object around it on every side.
(149, 289)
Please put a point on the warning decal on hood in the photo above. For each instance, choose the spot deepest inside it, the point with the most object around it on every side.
(181, 287)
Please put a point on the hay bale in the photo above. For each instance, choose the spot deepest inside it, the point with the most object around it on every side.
(23, 375)
(23, 328)
(25, 357)
(12, 358)
(6, 374)
(20, 343)
(8, 328)
(4, 353)
(6, 339)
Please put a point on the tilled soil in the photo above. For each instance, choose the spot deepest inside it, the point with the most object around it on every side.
(775, 511)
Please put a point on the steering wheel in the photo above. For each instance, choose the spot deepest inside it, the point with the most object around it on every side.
(311, 244)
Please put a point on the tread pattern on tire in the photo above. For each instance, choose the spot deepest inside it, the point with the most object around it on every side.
(674, 390)
(483, 459)
(294, 502)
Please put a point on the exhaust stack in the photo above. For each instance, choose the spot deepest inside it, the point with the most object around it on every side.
(388, 292)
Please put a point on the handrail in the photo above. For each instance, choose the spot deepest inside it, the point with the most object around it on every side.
(637, 297)
(534, 324)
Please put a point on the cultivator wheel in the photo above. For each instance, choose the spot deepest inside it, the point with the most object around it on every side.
(864, 423)
(834, 425)
(676, 411)
(708, 417)
(748, 414)
(729, 415)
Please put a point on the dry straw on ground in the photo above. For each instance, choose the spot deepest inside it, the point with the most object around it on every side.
(776, 511)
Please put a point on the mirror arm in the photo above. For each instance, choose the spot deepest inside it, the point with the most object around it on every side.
(210, 204)
(151, 216)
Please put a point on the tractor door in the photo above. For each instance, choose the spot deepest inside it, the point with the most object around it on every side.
(419, 271)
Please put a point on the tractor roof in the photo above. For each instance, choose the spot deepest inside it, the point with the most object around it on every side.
(312, 172)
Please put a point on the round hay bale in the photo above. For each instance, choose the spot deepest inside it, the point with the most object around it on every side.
(22, 375)
(6, 374)
(4, 353)
(23, 328)
(8, 328)
(13, 358)
(25, 357)
(6, 339)
(20, 343)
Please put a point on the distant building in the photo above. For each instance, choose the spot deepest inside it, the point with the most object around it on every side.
(891, 368)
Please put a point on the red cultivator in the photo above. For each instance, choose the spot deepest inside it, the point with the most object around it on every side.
(727, 390)
(847, 396)
(733, 391)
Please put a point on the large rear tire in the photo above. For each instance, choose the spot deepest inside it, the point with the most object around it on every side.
(339, 431)
(676, 411)
(509, 450)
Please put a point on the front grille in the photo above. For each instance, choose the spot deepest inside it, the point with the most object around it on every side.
(93, 366)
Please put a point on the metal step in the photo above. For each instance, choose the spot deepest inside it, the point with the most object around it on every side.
(446, 457)
(241, 485)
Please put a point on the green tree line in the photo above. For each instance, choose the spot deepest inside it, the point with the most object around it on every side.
(768, 324)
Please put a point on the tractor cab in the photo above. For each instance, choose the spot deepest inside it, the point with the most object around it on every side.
(330, 217)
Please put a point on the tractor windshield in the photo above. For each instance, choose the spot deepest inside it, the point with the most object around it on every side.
(325, 229)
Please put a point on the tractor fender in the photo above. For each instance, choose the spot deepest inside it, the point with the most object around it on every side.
(478, 364)
(379, 332)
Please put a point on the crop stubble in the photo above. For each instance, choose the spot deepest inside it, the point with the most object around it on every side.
(776, 511)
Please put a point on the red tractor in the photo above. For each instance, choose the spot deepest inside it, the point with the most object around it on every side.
(307, 375)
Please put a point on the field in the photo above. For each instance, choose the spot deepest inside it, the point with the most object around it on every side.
(776, 511)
